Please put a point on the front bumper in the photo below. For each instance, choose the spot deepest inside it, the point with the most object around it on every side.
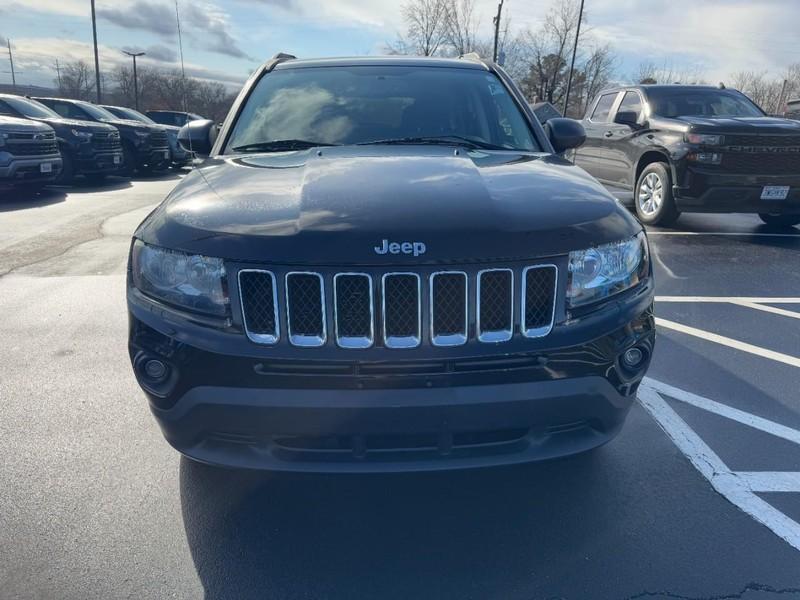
(99, 162)
(710, 190)
(255, 410)
(155, 158)
(29, 170)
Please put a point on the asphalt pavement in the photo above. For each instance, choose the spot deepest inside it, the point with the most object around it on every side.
(698, 498)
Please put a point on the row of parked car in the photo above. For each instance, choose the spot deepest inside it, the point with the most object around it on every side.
(53, 140)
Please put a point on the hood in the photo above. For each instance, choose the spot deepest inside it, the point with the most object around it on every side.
(131, 124)
(15, 124)
(93, 126)
(335, 205)
(742, 125)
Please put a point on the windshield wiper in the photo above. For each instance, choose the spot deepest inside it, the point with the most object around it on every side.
(279, 146)
(440, 140)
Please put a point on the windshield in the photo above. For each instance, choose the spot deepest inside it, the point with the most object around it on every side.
(128, 113)
(98, 113)
(31, 108)
(701, 103)
(352, 105)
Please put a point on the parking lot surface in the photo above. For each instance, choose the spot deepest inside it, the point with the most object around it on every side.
(699, 497)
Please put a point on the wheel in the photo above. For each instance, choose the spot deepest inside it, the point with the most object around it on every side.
(67, 168)
(653, 196)
(780, 220)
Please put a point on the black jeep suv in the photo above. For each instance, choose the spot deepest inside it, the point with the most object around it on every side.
(693, 149)
(87, 148)
(385, 264)
(145, 147)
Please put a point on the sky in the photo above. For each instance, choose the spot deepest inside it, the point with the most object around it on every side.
(224, 40)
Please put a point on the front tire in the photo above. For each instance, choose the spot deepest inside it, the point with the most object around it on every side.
(653, 198)
(780, 220)
(128, 161)
(67, 174)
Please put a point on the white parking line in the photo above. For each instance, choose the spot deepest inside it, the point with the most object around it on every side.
(767, 308)
(726, 233)
(737, 488)
(731, 299)
(730, 342)
(723, 410)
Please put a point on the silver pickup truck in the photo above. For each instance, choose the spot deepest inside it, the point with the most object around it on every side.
(29, 156)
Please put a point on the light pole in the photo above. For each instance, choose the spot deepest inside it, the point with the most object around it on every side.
(572, 65)
(135, 78)
(497, 30)
(96, 56)
(14, 75)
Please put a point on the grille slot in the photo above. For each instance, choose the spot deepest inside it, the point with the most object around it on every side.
(354, 314)
(448, 306)
(401, 310)
(305, 308)
(495, 305)
(538, 300)
(259, 296)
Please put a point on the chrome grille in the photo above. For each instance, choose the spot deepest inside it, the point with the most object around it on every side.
(538, 300)
(452, 301)
(354, 310)
(158, 139)
(106, 141)
(495, 305)
(259, 296)
(402, 312)
(305, 308)
(448, 306)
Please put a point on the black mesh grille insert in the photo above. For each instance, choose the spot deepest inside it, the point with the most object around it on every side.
(258, 302)
(353, 306)
(448, 296)
(401, 305)
(304, 296)
(495, 300)
(540, 284)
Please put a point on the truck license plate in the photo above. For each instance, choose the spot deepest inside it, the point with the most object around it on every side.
(46, 168)
(117, 159)
(775, 192)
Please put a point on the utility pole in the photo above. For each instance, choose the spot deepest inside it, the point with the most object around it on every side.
(780, 98)
(58, 74)
(96, 56)
(11, 60)
(135, 77)
(497, 30)
(572, 65)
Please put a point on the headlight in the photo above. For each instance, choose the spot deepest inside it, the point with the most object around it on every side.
(82, 135)
(704, 140)
(600, 272)
(187, 280)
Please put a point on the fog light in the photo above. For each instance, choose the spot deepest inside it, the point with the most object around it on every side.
(155, 369)
(632, 358)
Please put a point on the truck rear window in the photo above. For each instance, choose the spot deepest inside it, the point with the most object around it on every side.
(701, 103)
(361, 104)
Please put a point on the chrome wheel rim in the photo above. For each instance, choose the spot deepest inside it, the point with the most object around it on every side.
(651, 194)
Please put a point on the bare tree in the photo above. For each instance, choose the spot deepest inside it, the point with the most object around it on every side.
(426, 26)
(668, 72)
(461, 26)
(76, 80)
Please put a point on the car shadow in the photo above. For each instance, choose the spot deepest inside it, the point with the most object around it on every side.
(108, 184)
(16, 199)
(424, 535)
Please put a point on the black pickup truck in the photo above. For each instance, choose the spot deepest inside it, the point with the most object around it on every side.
(87, 148)
(386, 264)
(144, 147)
(683, 148)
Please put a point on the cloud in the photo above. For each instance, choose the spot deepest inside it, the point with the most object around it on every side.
(211, 25)
(157, 52)
(206, 25)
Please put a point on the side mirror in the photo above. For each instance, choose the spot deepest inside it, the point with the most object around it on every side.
(627, 117)
(564, 134)
(198, 137)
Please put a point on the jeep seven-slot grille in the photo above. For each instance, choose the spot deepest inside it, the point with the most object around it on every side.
(390, 308)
